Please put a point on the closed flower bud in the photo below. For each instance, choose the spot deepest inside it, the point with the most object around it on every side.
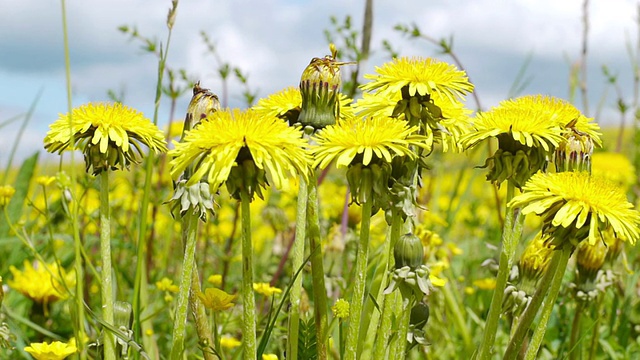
(408, 251)
(320, 89)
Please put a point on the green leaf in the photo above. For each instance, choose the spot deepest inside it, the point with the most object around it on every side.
(307, 341)
(15, 206)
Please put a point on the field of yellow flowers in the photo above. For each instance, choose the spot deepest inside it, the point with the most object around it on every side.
(398, 225)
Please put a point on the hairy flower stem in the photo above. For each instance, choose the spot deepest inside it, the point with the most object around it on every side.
(248, 299)
(381, 277)
(362, 254)
(550, 301)
(511, 233)
(189, 233)
(200, 316)
(106, 276)
(403, 328)
(317, 268)
(529, 314)
(296, 261)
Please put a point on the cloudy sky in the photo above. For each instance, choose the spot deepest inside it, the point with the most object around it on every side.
(273, 40)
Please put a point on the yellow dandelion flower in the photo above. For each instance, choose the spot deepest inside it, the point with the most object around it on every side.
(216, 300)
(166, 284)
(50, 351)
(424, 76)
(455, 120)
(266, 289)
(109, 135)
(523, 119)
(269, 357)
(360, 140)
(229, 342)
(575, 206)
(614, 166)
(341, 309)
(41, 283)
(229, 138)
(6, 193)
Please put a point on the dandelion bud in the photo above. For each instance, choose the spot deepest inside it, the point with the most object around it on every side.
(419, 315)
(589, 259)
(320, 89)
(408, 251)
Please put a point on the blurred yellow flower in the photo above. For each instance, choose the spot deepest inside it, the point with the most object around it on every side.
(614, 166)
(269, 357)
(6, 193)
(166, 284)
(229, 342)
(216, 300)
(45, 180)
(485, 284)
(54, 351)
(340, 309)
(215, 279)
(41, 283)
(266, 289)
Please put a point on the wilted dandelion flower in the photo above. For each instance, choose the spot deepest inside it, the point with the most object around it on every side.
(109, 135)
(41, 283)
(575, 206)
(216, 300)
(6, 193)
(266, 289)
(422, 76)
(237, 139)
(50, 351)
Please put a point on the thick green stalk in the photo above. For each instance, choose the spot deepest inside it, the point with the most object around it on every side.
(511, 233)
(362, 254)
(106, 276)
(248, 298)
(297, 257)
(200, 317)
(596, 328)
(317, 268)
(190, 226)
(403, 328)
(529, 314)
(382, 338)
(375, 332)
(550, 301)
(77, 242)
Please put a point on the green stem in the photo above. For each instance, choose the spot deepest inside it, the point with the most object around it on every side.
(317, 268)
(575, 331)
(550, 300)
(362, 254)
(297, 257)
(106, 276)
(190, 226)
(511, 233)
(382, 338)
(248, 298)
(529, 314)
(77, 242)
(403, 328)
